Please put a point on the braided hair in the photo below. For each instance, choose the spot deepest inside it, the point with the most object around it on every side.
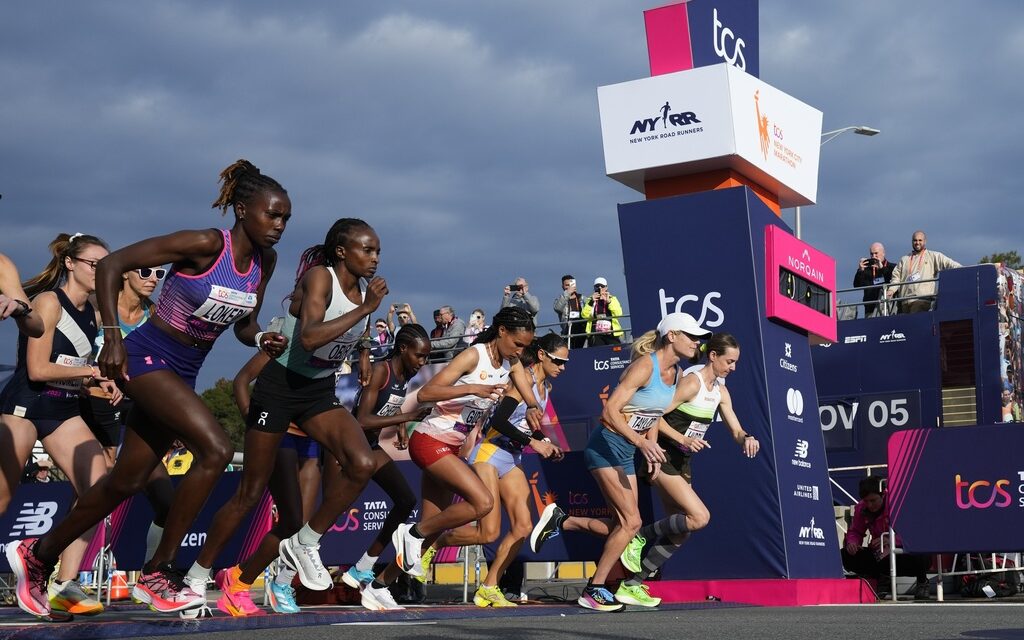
(407, 336)
(241, 182)
(512, 318)
(326, 254)
(55, 273)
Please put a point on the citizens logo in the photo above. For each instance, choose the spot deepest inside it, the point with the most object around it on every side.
(786, 364)
(811, 536)
(854, 339)
(34, 519)
(795, 405)
(807, 491)
(983, 494)
(892, 336)
(800, 454)
(677, 120)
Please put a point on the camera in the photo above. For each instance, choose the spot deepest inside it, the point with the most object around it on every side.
(515, 287)
(871, 262)
(597, 288)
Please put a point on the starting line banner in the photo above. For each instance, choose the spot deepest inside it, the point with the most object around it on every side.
(958, 489)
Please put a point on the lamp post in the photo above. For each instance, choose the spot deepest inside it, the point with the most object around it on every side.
(826, 137)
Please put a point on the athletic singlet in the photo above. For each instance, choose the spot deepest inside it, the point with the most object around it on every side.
(650, 401)
(125, 328)
(72, 347)
(326, 359)
(204, 305)
(518, 419)
(390, 397)
(693, 417)
(451, 420)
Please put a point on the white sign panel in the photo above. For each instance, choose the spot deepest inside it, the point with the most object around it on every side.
(710, 118)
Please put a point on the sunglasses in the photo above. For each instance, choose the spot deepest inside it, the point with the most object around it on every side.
(146, 272)
(91, 263)
(560, 362)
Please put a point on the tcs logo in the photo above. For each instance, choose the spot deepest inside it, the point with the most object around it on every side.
(721, 37)
(347, 521)
(982, 494)
(710, 314)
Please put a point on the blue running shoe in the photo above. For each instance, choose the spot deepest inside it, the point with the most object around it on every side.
(357, 579)
(281, 597)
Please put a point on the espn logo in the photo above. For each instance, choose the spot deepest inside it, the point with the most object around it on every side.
(854, 339)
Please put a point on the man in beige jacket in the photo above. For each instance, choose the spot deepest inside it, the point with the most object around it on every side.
(919, 264)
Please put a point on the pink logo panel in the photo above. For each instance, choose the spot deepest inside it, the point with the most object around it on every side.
(809, 277)
(668, 39)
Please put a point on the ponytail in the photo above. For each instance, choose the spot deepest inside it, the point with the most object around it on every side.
(55, 273)
(645, 344)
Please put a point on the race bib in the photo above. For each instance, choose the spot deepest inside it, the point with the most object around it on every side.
(641, 423)
(332, 354)
(573, 315)
(392, 407)
(603, 326)
(471, 415)
(74, 384)
(696, 431)
(914, 277)
(224, 306)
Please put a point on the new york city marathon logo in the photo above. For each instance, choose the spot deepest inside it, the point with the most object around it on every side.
(682, 123)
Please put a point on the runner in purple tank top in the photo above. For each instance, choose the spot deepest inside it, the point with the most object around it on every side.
(217, 280)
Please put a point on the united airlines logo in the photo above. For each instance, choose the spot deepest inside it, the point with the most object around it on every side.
(807, 491)
(34, 519)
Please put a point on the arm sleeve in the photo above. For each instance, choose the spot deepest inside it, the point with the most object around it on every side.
(559, 306)
(614, 307)
(533, 302)
(499, 421)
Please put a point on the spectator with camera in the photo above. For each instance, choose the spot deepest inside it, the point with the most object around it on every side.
(602, 311)
(920, 264)
(872, 561)
(518, 295)
(874, 270)
(569, 307)
(405, 316)
(449, 343)
(477, 323)
(382, 339)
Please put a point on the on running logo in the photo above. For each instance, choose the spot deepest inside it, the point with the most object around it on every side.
(262, 421)
(34, 519)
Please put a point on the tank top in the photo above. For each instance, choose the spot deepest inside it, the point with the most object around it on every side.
(125, 328)
(390, 396)
(72, 347)
(518, 420)
(202, 306)
(693, 417)
(650, 401)
(326, 359)
(451, 420)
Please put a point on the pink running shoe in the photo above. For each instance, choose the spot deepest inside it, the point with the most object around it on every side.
(32, 575)
(165, 591)
(236, 601)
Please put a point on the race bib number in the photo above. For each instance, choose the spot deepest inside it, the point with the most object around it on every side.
(603, 326)
(73, 384)
(696, 431)
(224, 306)
(641, 423)
(332, 354)
(392, 407)
(471, 415)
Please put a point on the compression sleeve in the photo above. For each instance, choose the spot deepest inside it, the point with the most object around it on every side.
(499, 421)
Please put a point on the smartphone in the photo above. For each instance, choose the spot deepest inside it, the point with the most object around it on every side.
(515, 287)
(572, 283)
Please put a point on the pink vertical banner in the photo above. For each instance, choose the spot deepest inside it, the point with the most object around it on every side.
(668, 39)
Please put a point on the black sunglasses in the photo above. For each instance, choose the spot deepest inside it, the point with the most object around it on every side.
(146, 272)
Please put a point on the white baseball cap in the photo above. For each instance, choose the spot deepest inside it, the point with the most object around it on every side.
(601, 281)
(680, 322)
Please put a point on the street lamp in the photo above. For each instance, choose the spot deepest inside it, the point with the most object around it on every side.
(828, 136)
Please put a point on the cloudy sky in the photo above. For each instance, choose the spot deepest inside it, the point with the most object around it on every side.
(467, 132)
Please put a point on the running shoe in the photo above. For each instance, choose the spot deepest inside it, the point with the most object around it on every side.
(407, 550)
(31, 575)
(70, 597)
(598, 599)
(379, 599)
(357, 579)
(922, 591)
(428, 557)
(549, 526)
(631, 555)
(195, 613)
(281, 597)
(638, 594)
(236, 600)
(165, 591)
(491, 597)
(305, 560)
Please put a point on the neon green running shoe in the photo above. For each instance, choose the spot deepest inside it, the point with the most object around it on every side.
(638, 594)
(631, 555)
(491, 597)
(425, 560)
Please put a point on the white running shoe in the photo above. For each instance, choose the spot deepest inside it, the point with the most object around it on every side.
(407, 550)
(305, 560)
(379, 599)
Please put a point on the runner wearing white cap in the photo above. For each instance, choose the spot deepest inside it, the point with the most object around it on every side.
(631, 418)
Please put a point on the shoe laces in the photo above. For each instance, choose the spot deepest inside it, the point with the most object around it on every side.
(311, 551)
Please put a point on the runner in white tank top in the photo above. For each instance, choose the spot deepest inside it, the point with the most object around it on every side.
(465, 390)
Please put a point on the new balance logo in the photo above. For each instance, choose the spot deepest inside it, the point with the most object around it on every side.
(34, 519)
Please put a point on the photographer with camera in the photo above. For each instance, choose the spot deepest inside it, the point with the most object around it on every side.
(569, 307)
(405, 316)
(873, 270)
(518, 295)
(602, 311)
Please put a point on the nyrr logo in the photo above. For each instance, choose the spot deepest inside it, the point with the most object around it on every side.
(681, 119)
(34, 519)
(892, 336)
(811, 536)
(710, 314)
(795, 404)
(983, 494)
(721, 37)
